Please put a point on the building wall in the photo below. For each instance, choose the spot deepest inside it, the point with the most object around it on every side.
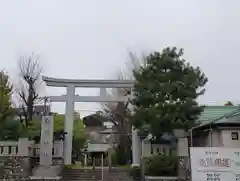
(200, 140)
(221, 138)
(226, 136)
(214, 139)
(94, 133)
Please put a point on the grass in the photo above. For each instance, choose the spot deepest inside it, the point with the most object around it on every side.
(74, 166)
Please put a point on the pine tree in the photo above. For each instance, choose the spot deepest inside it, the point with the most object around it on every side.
(165, 93)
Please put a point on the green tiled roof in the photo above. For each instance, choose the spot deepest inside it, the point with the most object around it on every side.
(214, 112)
(231, 118)
(217, 114)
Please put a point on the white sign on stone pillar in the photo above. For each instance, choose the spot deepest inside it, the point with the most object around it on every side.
(46, 144)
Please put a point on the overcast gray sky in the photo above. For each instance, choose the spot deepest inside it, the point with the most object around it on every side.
(92, 38)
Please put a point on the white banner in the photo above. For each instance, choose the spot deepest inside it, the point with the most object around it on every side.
(215, 164)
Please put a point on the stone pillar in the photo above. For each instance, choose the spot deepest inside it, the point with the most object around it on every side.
(5, 150)
(23, 153)
(23, 145)
(183, 155)
(68, 125)
(136, 148)
(46, 143)
(182, 147)
(14, 150)
(146, 148)
(58, 148)
(61, 148)
(85, 159)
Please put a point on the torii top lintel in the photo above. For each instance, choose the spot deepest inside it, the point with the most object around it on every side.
(98, 83)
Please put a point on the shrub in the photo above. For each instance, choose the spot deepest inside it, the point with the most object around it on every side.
(135, 172)
(121, 156)
(162, 165)
(114, 159)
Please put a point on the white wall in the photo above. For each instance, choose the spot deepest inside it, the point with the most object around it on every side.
(218, 138)
(214, 139)
(164, 149)
(156, 148)
(222, 138)
(227, 141)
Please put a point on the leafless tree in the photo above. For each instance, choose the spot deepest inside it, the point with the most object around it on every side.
(119, 113)
(28, 85)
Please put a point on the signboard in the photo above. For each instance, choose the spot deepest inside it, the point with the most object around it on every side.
(215, 163)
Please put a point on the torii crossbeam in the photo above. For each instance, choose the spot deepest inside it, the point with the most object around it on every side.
(70, 98)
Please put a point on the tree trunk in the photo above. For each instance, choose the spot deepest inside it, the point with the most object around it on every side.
(124, 150)
(30, 103)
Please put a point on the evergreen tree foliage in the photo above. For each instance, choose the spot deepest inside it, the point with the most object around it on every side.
(6, 110)
(166, 92)
(11, 130)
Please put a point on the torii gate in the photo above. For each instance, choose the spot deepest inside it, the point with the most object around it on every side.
(70, 98)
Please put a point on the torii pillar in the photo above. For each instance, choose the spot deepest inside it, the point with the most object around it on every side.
(70, 98)
(68, 124)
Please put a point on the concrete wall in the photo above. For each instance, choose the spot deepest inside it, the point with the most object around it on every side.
(226, 136)
(220, 138)
(214, 139)
(25, 147)
(160, 148)
(155, 148)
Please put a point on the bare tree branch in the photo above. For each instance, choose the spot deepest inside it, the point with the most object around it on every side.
(132, 64)
(29, 79)
(30, 69)
(119, 113)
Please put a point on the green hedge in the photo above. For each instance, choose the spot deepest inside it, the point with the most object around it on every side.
(119, 157)
(161, 165)
(135, 172)
(114, 159)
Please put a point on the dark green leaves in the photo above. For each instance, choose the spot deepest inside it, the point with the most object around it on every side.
(5, 98)
(166, 91)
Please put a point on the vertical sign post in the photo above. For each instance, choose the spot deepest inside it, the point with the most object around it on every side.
(46, 141)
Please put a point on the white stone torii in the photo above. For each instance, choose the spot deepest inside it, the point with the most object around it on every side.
(70, 98)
